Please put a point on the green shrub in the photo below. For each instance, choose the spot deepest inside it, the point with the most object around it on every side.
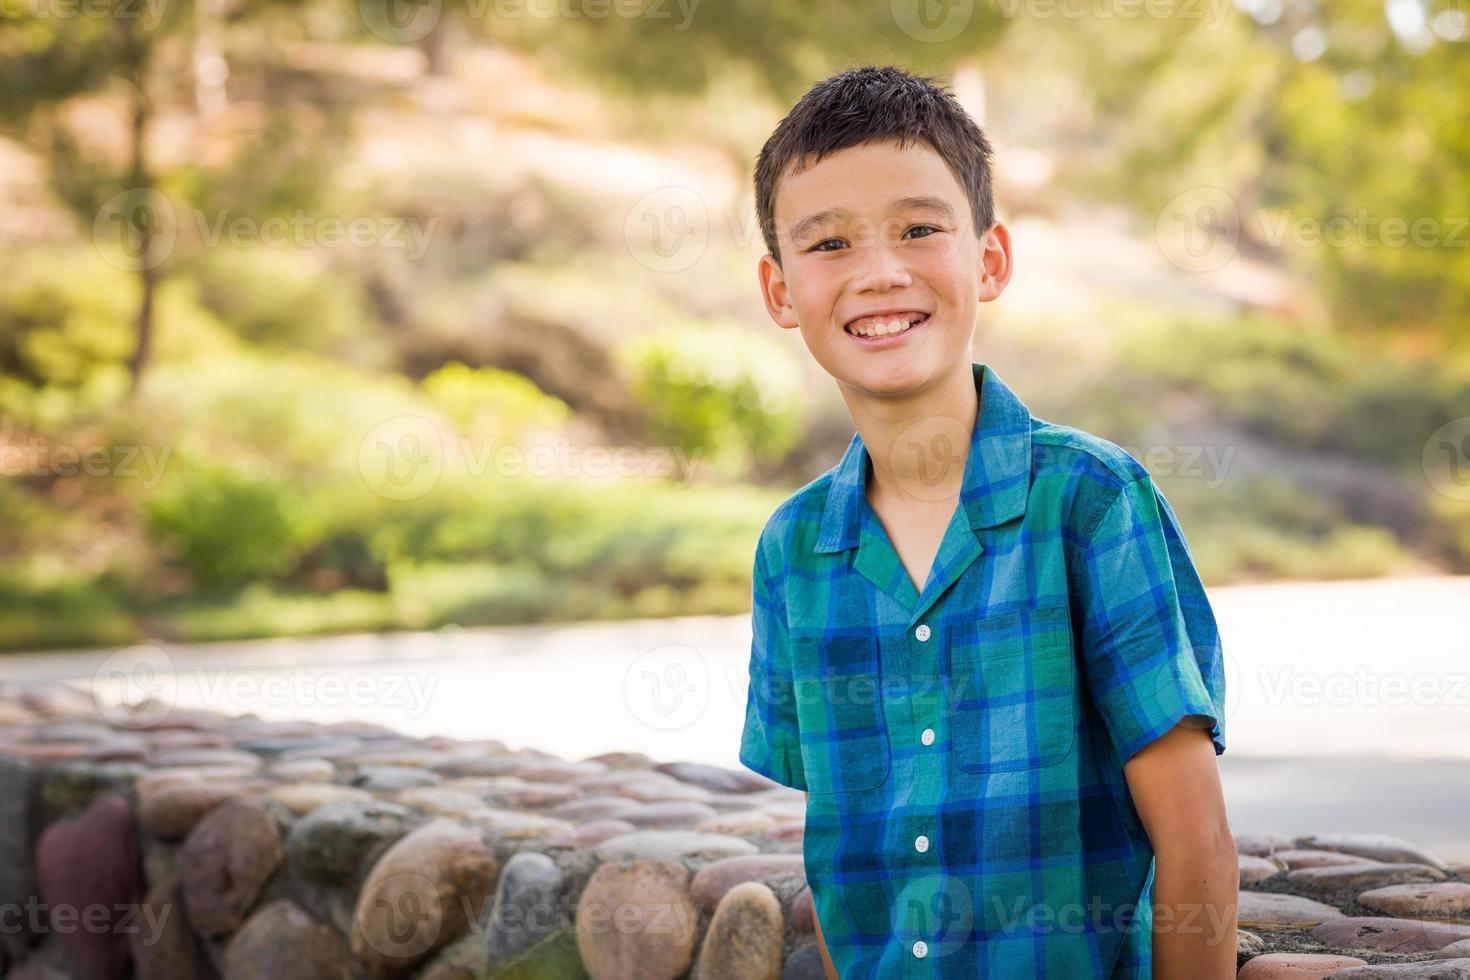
(68, 328)
(428, 595)
(259, 610)
(308, 415)
(721, 391)
(1241, 552)
(75, 612)
(279, 297)
(65, 340)
(492, 403)
(229, 524)
(1303, 386)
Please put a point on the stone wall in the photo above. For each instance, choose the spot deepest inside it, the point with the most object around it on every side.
(216, 846)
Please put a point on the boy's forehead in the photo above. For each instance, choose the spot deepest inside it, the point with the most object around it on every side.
(868, 178)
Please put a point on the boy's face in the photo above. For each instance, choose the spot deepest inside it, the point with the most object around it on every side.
(874, 229)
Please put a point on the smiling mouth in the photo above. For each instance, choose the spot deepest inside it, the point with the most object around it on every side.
(873, 327)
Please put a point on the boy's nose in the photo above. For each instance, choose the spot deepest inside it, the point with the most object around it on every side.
(882, 270)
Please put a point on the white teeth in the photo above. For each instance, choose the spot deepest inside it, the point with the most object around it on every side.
(883, 328)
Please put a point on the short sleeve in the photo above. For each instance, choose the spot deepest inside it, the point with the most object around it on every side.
(770, 743)
(1150, 647)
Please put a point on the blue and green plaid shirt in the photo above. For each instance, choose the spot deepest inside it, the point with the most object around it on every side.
(962, 747)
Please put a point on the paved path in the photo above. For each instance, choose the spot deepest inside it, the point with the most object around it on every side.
(1348, 703)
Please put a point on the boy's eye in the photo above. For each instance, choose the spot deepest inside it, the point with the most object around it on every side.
(837, 242)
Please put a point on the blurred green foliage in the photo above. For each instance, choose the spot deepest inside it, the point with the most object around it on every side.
(64, 343)
(279, 297)
(1299, 385)
(252, 508)
(229, 525)
(1289, 451)
(490, 403)
(1335, 130)
(718, 390)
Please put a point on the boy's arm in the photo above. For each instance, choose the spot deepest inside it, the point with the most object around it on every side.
(821, 941)
(1154, 669)
(770, 743)
(1175, 784)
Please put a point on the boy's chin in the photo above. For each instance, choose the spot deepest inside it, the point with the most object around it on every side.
(893, 372)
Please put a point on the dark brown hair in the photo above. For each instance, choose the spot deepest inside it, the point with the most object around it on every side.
(871, 104)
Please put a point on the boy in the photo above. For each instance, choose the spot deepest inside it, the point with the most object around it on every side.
(980, 644)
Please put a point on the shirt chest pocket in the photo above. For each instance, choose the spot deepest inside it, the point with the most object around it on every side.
(1012, 690)
(839, 706)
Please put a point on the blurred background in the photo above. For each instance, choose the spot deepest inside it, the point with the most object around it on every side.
(419, 344)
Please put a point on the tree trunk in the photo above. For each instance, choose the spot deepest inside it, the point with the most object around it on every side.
(437, 47)
(141, 181)
(148, 279)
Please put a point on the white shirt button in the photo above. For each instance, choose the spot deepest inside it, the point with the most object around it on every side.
(927, 736)
(922, 632)
(921, 843)
(921, 949)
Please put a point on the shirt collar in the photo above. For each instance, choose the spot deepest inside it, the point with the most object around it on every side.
(997, 479)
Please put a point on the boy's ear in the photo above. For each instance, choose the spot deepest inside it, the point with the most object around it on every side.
(995, 261)
(775, 292)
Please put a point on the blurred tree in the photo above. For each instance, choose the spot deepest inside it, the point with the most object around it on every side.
(1336, 130)
(51, 55)
(683, 46)
(65, 67)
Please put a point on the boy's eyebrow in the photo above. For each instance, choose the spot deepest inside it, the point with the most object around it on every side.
(920, 202)
(811, 221)
(924, 202)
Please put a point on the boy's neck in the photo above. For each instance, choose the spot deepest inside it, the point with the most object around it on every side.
(918, 446)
